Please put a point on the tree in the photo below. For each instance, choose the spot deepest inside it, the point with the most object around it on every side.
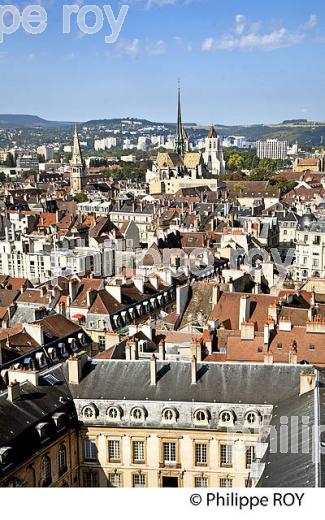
(80, 197)
(235, 162)
(10, 161)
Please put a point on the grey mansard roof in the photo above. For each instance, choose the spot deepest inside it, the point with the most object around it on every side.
(227, 383)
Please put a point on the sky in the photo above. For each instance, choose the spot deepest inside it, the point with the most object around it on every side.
(238, 62)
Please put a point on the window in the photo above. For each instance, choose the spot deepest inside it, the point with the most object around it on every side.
(226, 483)
(169, 415)
(312, 347)
(250, 456)
(114, 480)
(114, 452)
(101, 343)
(90, 450)
(138, 451)
(200, 416)
(139, 480)
(113, 413)
(90, 479)
(169, 452)
(137, 414)
(227, 417)
(46, 472)
(201, 454)
(201, 482)
(251, 418)
(88, 412)
(62, 460)
(225, 455)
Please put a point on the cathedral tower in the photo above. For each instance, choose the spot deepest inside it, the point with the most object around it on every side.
(213, 154)
(182, 141)
(77, 166)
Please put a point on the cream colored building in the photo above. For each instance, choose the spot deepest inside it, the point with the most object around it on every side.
(150, 424)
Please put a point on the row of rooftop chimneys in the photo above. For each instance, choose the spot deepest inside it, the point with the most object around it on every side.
(247, 327)
(77, 362)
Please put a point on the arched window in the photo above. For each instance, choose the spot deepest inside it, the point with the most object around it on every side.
(113, 413)
(62, 459)
(46, 472)
(169, 415)
(201, 416)
(227, 417)
(252, 419)
(90, 411)
(137, 414)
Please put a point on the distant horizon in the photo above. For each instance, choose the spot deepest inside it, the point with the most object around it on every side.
(152, 120)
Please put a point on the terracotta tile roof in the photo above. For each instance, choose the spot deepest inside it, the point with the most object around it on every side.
(57, 326)
(104, 303)
(86, 285)
(227, 309)
(177, 337)
(309, 347)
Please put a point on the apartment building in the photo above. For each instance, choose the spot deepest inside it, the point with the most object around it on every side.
(310, 248)
(272, 149)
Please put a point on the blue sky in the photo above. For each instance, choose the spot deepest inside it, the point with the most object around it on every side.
(239, 61)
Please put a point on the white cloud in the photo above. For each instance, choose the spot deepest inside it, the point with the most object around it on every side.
(209, 44)
(240, 23)
(156, 49)
(183, 44)
(135, 47)
(311, 23)
(247, 35)
(130, 47)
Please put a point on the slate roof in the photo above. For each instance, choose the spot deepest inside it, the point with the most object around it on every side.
(290, 469)
(116, 380)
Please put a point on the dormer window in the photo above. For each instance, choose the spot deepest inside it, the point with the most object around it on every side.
(201, 416)
(169, 415)
(59, 419)
(138, 414)
(73, 344)
(252, 419)
(40, 359)
(52, 353)
(63, 350)
(5, 455)
(227, 418)
(43, 431)
(114, 413)
(89, 412)
(82, 338)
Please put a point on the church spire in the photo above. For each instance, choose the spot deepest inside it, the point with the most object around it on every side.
(179, 144)
(76, 154)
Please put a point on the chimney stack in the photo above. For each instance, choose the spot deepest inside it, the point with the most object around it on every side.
(307, 381)
(134, 351)
(13, 391)
(162, 351)
(244, 310)
(266, 334)
(194, 370)
(76, 364)
(153, 370)
(268, 358)
(128, 351)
